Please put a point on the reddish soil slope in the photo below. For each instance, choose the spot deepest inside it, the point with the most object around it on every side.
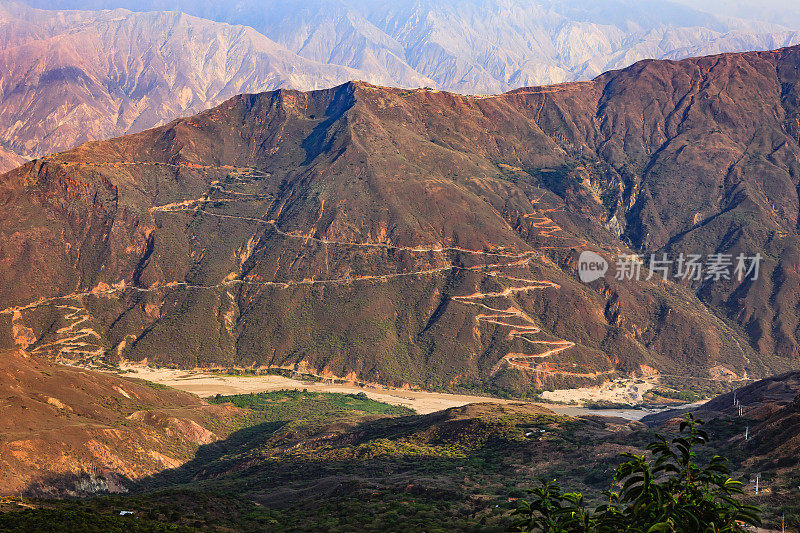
(71, 431)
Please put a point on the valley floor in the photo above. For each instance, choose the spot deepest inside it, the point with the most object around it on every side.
(205, 384)
(317, 456)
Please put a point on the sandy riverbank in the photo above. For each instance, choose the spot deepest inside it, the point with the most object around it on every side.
(208, 384)
(624, 391)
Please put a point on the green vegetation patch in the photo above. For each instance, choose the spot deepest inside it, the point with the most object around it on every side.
(76, 519)
(296, 405)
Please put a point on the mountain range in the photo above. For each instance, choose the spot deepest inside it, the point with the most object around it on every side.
(425, 238)
(74, 76)
(495, 198)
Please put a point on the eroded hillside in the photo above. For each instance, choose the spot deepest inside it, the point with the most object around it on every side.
(424, 237)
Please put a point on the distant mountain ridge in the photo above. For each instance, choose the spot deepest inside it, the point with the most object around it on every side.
(73, 77)
(482, 46)
(69, 77)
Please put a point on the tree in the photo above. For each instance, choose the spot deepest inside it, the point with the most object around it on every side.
(665, 492)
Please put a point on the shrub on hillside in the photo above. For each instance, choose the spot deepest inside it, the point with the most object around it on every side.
(666, 492)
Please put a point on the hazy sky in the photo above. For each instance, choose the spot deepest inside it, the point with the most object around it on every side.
(784, 12)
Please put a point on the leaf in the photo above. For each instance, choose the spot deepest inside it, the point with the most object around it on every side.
(661, 527)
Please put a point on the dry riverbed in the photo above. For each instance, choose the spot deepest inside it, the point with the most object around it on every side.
(209, 384)
(206, 384)
(620, 391)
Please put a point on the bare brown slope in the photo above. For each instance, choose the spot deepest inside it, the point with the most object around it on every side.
(9, 160)
(80, 431)
(419, 236)
(705, 154)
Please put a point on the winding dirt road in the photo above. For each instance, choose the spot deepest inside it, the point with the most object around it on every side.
(71, 341)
